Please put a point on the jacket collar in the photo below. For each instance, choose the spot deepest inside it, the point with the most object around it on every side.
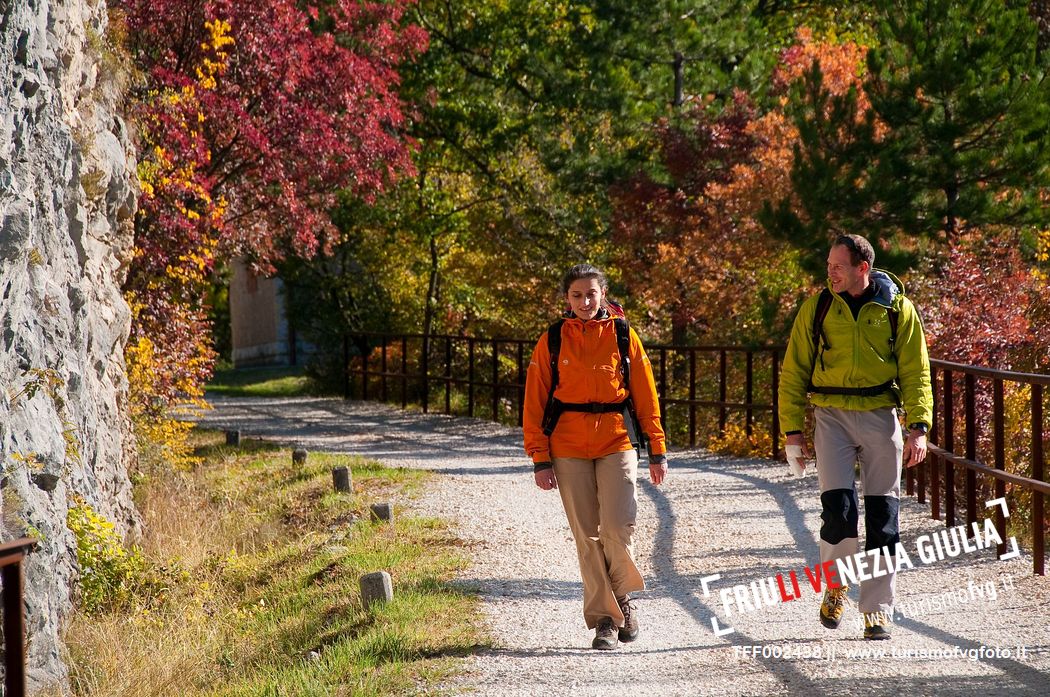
(602, 314)
(887, 287)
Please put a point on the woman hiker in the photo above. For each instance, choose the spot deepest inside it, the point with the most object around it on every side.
(578, 409)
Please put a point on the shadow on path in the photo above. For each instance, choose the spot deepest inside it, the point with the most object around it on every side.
(1034, 681)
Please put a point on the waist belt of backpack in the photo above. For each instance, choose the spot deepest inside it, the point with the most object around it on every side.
(556, 408)
(853, 391)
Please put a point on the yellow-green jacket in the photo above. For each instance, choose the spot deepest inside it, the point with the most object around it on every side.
(860, 354)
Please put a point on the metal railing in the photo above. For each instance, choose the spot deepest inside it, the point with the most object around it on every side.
(489, 374)
(13, 581)
(704, 388)
(985, 440)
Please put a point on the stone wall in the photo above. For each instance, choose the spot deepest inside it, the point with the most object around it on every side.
(67, 198)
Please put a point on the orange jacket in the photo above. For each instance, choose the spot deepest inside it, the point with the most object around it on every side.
(589, 371)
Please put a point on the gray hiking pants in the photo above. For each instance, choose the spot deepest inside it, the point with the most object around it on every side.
(872, 438)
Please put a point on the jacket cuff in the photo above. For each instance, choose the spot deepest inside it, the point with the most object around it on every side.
(540, 466)
(657, 448)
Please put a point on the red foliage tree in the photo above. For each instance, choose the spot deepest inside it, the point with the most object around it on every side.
(664, 230)
(305, 105)
(251, 118)
(979, 305)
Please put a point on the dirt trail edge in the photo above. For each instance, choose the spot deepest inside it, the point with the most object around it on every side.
(973, 625)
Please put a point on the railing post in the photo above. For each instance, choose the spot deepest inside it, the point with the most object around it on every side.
(14, 630)
(346, 366)
(12, 578)
(663, 391)
(1038, 524)
(934, 469)
(722, 376)
(521, 383)
(749, 415)
(383, 368)
(775, 401)
(692, 398)
(495, 380)
(364, 372)
(999, 445)
(448, 374)
(927, 465)
(425, 369)
(470, 377)
(949, 445)
(404, 372)
(971, 449)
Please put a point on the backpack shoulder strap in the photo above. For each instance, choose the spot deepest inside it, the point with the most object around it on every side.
(893, 315)
(820, 339)
(551, 412)
(823, 306)
(638, 437)
(623, 343)
(554, 348)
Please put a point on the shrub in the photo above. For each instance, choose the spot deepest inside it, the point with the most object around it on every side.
(735, 441)
(112, 576)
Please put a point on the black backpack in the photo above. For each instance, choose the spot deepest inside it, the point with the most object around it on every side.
(821, 344)
(555, 408)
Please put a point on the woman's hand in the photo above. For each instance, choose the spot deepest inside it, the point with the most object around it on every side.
(546, 480)
(657, 471)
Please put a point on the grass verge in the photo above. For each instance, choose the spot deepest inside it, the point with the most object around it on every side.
(263, 382)
(266, 601)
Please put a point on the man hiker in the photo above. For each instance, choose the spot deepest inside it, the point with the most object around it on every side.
(858, 351)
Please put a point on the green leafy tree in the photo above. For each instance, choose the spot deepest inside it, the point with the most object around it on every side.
(570, 93)
(528, 112)
(955, 136)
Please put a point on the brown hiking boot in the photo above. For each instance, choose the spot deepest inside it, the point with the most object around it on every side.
(604, 635)
(629, 630)
(875, 626)
(833, 606)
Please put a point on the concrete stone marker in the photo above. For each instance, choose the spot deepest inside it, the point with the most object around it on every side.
(233, 438)
(383, 512)
(376, 587)
(341, 478)
(299, 457)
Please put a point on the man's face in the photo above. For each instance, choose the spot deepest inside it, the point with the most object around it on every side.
(844, 276)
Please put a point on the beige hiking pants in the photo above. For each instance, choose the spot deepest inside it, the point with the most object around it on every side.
(600, 502)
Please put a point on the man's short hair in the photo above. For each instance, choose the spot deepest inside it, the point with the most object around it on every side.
(859, 249)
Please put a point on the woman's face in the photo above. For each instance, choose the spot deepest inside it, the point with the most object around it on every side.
(585, 298)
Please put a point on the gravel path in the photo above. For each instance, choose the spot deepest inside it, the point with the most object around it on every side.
(745, 520)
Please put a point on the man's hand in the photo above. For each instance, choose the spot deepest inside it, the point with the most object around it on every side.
(796, 452)
(546, 480)
(797, 439)
(915, 448)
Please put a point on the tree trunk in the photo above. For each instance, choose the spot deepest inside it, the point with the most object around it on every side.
(951, 195)
(432, 288)
(679, 80)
